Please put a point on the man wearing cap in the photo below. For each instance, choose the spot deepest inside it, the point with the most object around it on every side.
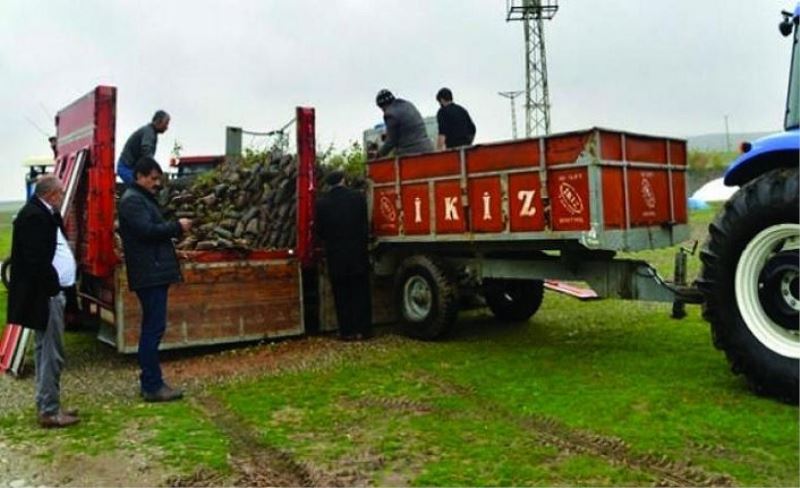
(341, 222)
(141, 143)
(405, 129)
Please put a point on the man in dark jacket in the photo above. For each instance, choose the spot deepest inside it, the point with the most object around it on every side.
(42, 266)
(405, 129)
(341, 223)
(140, 144)
(455, 125)
(152, 266)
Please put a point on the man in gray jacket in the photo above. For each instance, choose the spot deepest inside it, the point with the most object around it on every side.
(140, 144)
(405, 129)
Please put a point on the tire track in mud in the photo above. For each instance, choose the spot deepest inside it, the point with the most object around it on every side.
(552, 433)
(254, 461)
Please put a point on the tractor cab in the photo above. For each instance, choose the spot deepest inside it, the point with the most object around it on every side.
(36, 167)
(789, 27)
(195, 165)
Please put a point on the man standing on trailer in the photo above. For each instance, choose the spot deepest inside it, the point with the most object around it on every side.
(455, 125)
(152, 266)
(142, 143)
(405, 129)
(43, 266)
(341, 223)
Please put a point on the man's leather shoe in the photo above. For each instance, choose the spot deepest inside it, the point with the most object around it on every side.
(164, 394)
(57, 420)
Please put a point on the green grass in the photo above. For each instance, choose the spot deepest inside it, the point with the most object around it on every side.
(654, 383)
(492, 405)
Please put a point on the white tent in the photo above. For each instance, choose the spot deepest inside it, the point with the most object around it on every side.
(714, 191)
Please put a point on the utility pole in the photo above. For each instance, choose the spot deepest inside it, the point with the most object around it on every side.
(511, 95)
(533, 13)
(727, 135)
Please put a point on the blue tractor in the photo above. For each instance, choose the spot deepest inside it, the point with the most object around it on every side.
(750, 258)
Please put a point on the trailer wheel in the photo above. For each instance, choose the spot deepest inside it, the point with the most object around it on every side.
(513, 300)
(5, 272)
(427, 297)
(750, 283)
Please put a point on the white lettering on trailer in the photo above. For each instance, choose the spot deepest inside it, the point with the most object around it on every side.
(487, 214)
(450, 211)
(528, 209)
(648, 194)
(417, 210)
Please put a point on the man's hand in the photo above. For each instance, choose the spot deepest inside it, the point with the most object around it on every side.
(185, 224)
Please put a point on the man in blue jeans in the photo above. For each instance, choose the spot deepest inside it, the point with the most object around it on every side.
(152, 266)
(142, 143)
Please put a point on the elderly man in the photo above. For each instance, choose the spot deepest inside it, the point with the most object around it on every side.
(42, 267)
(142, 143)
(152, 266)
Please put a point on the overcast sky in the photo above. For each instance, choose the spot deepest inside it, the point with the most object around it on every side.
(670, 67)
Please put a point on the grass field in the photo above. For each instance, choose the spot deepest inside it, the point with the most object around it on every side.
(601, 393)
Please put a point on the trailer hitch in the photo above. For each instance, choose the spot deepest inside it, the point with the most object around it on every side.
(683, 294)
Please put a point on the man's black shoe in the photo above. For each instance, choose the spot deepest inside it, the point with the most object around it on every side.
(164, 394)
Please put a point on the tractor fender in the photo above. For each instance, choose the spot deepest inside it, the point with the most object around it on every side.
(779, 150)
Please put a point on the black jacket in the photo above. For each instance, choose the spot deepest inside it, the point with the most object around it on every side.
(147, 240)
(342, 224)
(455, 125)
(142, 142)
(33, 278)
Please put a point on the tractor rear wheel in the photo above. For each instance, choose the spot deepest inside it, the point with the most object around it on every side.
(750, 282)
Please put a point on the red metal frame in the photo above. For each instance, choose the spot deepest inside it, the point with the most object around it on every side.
(306, 184)
(88, 124)
(8, 345)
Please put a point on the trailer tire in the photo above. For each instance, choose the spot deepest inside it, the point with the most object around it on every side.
(750, 282)
(513, 300)
(426, 297)
(5, 272)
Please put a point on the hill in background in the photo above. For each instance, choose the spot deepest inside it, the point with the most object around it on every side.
(712, 143)
(718, 142)
(11, 206)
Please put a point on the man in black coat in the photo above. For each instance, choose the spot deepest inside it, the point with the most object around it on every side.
(455, 125)
(42, 266)
(152, 266)
(341, 223)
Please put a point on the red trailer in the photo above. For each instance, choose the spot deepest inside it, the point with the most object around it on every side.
(225, 297)
(493, 221)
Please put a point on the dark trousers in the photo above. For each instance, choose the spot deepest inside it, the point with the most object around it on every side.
(351, 295)
(154, 322)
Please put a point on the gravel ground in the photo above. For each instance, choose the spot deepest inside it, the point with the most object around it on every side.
(95, 374)
(96, 371)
